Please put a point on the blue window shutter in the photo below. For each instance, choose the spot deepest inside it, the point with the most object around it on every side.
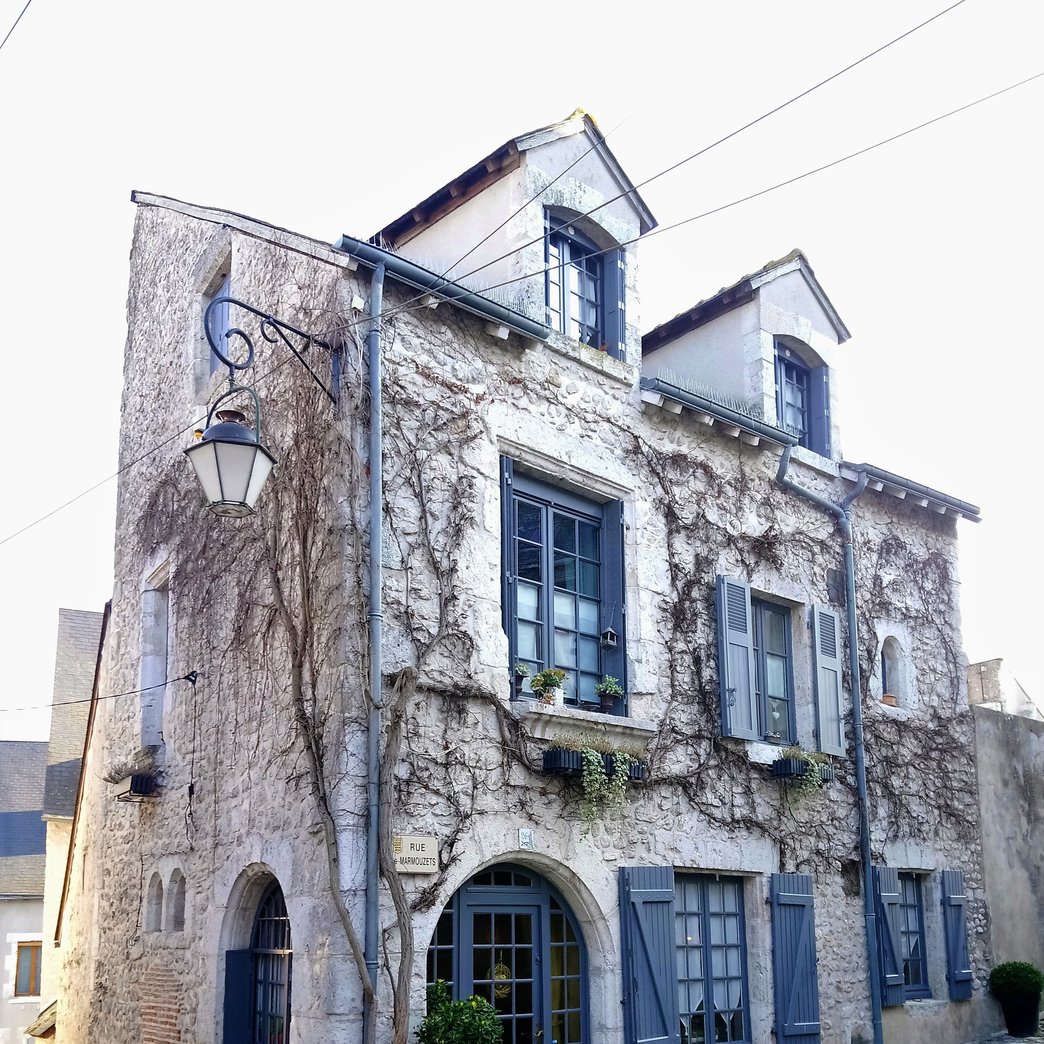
(739, 707)
(888, 896)
(615, 287)
(819, 410)
(650, 974)
(958, 966)
(220, 321)
(826, 659)
(507, 552)
(239, 977)
(614, 661)
(794, 959)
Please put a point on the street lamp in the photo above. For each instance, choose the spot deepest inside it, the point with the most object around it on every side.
(230, 462)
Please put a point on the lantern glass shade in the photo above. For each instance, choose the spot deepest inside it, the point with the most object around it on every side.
(231, 467)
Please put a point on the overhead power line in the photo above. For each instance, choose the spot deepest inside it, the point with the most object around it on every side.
(16, 21)
(406, 308)
(191, 678)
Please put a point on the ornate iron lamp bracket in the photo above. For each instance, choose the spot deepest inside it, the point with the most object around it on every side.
(274, 331)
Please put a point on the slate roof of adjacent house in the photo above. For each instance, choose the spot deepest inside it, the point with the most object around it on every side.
(738, 293)
(22, 830)
(75, 660)
(496, 165)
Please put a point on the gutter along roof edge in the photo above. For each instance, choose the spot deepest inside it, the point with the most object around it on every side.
(933, 496)
(430, 282)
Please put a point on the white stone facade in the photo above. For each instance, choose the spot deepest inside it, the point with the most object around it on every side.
(236, 806)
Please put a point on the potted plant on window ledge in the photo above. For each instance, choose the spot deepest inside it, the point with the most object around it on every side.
(608, 691)
(520, 674)
(547, 684)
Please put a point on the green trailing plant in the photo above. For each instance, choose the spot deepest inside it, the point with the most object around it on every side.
(469, 1021)
(811, 781)
(603, 790)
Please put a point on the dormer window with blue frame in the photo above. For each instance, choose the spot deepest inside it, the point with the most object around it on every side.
(802, 399)
(585, 287)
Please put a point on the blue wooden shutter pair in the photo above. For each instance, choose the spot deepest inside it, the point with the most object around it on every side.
(614, 283)
(958, 966)
(794, 959)
(239, 984)
(739, 701)
(650, 974)
(887, 896)
(826, 663)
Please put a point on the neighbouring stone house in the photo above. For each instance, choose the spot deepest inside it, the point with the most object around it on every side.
(558, 491)
(22, 766)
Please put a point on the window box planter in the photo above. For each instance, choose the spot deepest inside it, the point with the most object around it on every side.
(789, 768)
(570, 763)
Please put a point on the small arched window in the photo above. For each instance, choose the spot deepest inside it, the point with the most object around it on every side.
(176, 902)
(802, 398)
(154, 904)
(891, 669)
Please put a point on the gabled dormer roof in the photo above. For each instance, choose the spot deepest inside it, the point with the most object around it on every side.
(739, 293)
(497, 165)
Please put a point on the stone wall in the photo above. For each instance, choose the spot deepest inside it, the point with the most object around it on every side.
(238, 799)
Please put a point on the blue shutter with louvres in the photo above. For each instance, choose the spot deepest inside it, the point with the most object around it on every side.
(239, 976)
(819, 410)
(614, 661)
(739, 708)
(826, 658)
(220, 321)
(958, 966)
(615, 285)
(888, 895)
(650, 974)
(794, 959)
(507, 551)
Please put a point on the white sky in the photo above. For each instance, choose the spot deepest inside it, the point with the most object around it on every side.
(328, 118)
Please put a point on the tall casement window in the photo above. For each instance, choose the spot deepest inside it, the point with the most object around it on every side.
(155, 621)
(911, 933)
(901, 941)
(712, 960)
(219, 317)
(802, 400)
(563, 583)
(27, 969)
(258, 979)
(756, 669)
(508, 937)
(584, 287)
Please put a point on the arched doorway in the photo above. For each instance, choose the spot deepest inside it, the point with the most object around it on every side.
(508, 936)
(258, 978)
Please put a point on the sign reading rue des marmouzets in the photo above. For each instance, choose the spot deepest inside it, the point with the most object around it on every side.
(416, 854)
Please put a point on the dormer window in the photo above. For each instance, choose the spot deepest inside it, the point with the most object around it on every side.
(585, 286)
(802, 399)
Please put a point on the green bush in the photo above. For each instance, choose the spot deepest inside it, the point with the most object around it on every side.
(1016, 979)
(470, 1021)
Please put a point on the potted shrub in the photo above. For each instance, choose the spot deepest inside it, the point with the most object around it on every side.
(1017, 986)
(521, 673)
(470, 1021)
(547, 685)
(608, 691)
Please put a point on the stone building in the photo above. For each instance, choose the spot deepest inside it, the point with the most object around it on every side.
(557, 491)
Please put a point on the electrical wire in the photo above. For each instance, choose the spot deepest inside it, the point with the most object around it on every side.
(16, 21)
(192, 677)
(406, 308)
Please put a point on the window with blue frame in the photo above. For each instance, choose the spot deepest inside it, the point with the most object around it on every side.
(802, 399)
(219, 319)
(563, 583)
(712, 960)
(911, 936)
(773, 670)
(585, 287)
(272, 954)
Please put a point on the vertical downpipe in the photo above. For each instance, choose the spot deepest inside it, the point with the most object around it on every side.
(375, 617)
(841, 513)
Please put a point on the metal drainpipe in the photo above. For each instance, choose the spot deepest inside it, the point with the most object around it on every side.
(844, 522)
(375, 617)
